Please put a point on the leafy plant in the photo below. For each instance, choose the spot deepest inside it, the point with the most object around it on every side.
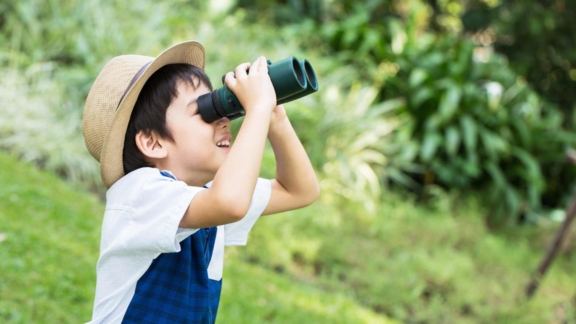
(347, 136)
(477, 124)
(469, 122)
(42, 128)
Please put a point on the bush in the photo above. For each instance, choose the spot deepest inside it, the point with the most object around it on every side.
(39, 125)
(442, 268)
(468, 121)
(476, 124)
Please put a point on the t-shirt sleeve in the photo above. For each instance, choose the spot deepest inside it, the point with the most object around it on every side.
(157, 208)
(237, 233)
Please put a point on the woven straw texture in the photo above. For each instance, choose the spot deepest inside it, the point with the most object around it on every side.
(105, 118)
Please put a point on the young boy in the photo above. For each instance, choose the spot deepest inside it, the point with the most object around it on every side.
(178, 190)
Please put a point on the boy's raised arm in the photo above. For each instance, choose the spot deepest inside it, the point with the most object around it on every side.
(231, 192)
(296, 184)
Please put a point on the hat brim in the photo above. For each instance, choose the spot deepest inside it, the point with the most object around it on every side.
(111, 165)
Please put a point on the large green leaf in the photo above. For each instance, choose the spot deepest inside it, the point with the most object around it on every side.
(452, 140)
(430, 145)
(497, 175)
(417, 76)
(469, 132)
(531, 166)
(420, 96)
(512, 199)
(449, 102)
(493, 144)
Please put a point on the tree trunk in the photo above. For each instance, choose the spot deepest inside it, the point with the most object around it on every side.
(556, 242)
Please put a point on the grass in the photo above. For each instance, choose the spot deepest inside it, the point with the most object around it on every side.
(250, 289)
(49, 240)
(418, 265)
(332, 262)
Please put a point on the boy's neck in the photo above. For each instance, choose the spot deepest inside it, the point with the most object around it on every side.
(196, 179)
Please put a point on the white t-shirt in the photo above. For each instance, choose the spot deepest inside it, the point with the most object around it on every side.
(143, 211)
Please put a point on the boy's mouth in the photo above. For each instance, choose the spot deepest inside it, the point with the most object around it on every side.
(225, 143)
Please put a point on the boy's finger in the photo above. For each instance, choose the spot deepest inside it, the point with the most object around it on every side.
(263, 65)
(255, 65)
(229, 79)
(241, 69)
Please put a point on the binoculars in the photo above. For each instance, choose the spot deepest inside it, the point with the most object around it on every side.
(292, 79)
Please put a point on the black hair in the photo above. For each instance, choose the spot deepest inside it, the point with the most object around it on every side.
(149, 113)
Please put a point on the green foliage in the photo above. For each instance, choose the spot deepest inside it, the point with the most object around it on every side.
(424, 101)
(541, 48)
(442, 268)
(347, 136)
(80, 36)
(399, 98)
(58, 48)
(476, 124)
(67, 76)
(44, 129)
(468, 120)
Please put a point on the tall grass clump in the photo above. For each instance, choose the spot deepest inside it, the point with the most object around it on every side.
(38, 125)
(413, 264)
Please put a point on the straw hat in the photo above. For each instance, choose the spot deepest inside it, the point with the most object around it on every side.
(112, 97)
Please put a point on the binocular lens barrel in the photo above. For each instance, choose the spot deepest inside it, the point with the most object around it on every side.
(311, 83)
(291, 79)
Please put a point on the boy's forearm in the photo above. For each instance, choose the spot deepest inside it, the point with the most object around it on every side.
(237, 177)
(293, 168)
(228, 199)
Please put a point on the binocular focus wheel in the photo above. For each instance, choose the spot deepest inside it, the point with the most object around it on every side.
(218, 105)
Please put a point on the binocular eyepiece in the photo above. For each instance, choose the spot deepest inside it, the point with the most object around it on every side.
(292, 79)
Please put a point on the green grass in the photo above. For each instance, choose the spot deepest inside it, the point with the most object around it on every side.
(332, 262)
(253, 294)
(49, 240)
(418, 265)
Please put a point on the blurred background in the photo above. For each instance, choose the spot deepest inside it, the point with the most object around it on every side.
(439, 135)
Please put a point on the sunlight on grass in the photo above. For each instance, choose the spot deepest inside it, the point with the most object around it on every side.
(252, 294)
(49, 241)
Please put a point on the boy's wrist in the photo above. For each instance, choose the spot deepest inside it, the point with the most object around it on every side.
(279, 127)
(257, 118)
(261, 110)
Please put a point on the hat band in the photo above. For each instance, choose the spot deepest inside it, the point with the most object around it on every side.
(136, 76)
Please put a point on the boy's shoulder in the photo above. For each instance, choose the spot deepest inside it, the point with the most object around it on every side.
(143, 181)
(134, 178)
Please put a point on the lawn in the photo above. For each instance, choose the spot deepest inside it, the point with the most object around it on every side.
(49, 239)
(332, 262)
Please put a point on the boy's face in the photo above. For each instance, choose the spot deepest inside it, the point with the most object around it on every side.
(199, 148)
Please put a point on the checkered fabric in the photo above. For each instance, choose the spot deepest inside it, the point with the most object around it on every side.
(176, 287)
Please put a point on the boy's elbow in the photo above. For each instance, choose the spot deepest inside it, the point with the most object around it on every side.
(315, 191)
(233, 209)
(237, 213)
(312, 195)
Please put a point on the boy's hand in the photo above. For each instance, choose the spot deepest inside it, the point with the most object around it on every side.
(254, 90)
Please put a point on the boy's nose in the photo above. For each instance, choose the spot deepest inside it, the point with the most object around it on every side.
(223, 122)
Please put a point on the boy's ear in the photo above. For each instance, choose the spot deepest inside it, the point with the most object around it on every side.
(151, 145)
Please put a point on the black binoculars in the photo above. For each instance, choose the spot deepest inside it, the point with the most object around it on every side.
(292, 79)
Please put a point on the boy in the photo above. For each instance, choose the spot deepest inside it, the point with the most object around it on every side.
(178, 190)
